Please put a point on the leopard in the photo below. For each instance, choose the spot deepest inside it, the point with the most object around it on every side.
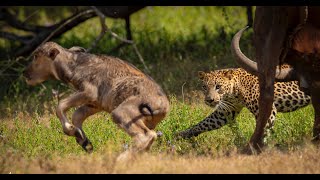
(227, 91)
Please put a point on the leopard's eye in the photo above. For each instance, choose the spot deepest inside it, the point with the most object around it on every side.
(218, 86)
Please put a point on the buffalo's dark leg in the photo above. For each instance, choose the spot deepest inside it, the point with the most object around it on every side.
(129, 36)
(266, 80)
(269, 37)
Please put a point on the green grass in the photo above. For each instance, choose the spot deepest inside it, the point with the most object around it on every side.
(42, 134)
(175, 43)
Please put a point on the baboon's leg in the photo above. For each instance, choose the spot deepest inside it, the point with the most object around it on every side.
(78, 118)
(128, 117)
(64, 105)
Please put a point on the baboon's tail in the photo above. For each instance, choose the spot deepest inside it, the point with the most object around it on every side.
(154, 108)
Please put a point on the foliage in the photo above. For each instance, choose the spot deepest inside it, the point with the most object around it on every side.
(42, 134)
(175, 43)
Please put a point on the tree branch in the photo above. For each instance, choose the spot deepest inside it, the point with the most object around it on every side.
(72, 21)
(55, 31)
(14, 22)
(14, 37)
(104, 29)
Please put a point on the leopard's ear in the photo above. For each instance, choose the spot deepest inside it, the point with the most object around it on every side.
(201, 75)
(228, 75)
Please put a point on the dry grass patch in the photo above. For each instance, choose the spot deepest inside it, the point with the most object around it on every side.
(301, 161)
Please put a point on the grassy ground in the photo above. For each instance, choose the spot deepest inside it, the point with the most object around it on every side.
(175, 42)
(302, 161)
(36, 144)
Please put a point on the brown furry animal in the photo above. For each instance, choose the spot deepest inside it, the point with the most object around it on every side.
(103, 83)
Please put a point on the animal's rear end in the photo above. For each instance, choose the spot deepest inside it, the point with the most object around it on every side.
(138, 116)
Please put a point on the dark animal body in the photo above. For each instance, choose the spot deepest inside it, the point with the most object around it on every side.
(283, 35)
(103, 83)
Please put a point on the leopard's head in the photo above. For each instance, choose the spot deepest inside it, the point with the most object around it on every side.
(217, 86)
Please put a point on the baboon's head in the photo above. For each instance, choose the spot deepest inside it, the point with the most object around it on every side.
(40, 69)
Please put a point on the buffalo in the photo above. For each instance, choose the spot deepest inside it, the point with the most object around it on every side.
(283, 35)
